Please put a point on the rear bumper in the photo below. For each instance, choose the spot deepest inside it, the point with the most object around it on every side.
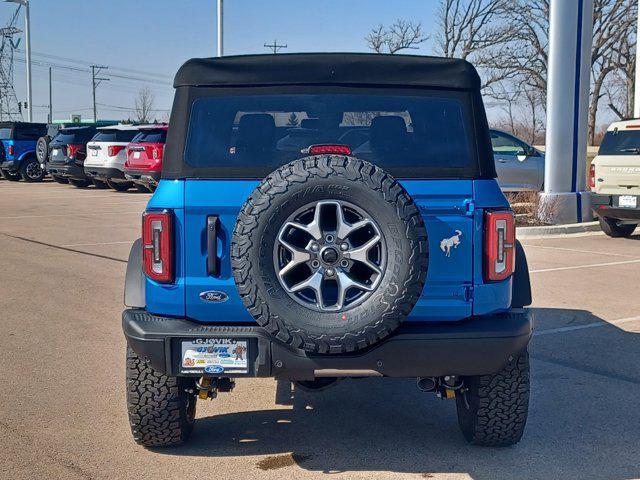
(72, 170)
(144, 177)
(104, 173)
(10, 165)
(606, 206)
(477, 346)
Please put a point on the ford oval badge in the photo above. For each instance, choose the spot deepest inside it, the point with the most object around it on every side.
(214, 369)
(214, 296)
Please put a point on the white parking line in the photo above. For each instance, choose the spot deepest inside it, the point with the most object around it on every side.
(604, 323)
(591, 265)
(528, 245)
(129, 242)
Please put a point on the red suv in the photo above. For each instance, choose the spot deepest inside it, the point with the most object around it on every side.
(144, 155)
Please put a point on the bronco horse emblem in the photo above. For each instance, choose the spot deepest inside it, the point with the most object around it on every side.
(448, 243)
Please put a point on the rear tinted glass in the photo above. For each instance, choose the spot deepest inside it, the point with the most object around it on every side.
(407, 134)
(30, 132)
(151, 136)
(5, 133)
(74, 136)
(114, 135)
(621, 142)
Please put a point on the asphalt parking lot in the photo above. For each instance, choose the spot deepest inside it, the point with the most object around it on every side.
(63, 255)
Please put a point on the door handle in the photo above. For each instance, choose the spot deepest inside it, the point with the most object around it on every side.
(213, 262)
(502, 160)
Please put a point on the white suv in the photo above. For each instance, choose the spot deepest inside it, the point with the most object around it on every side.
(106, 154)
(614, 178)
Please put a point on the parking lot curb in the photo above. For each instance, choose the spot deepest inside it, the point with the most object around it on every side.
(523, 232)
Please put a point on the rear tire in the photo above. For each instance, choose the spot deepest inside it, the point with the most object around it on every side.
(493, 409)
(31, 171)
(59, 179)
(119, 186)
(79, 183)
(99, 184)
(12, 177)
(143, 188)
(615, 229)
(161, 411)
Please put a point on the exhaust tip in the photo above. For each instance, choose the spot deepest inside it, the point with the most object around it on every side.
(426, 384)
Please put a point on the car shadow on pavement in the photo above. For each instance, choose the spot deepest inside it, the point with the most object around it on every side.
(583, 421)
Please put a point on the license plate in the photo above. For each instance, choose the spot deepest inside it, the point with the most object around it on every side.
(627, 201)
(136, 154)
(215, 356)
(55, 152)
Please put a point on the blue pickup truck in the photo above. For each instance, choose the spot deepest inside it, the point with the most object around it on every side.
(18, 158)
(327, 216)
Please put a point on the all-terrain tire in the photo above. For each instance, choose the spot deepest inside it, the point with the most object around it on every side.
(99, 184)
(60, 180)
(79, 183)
(493, 409)
(313, 179)
(31, 171)
(615, 229)
(161, 411)
(42, 149)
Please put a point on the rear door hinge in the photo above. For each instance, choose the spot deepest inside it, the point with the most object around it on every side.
(468, 293)
(470, 207)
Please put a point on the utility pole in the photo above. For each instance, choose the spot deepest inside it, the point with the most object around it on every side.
(27, 41)
(275, 48)
(636, 101)
(95, 81)
(220, 29)
(50, 98)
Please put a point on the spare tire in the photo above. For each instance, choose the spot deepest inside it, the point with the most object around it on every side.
(329, 254)
(42, 149)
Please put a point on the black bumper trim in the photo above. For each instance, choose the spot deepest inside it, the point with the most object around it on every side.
(145, 177)
(476, 346)
(72, 170)
(10, 165)
(104, 173)
(604, 206)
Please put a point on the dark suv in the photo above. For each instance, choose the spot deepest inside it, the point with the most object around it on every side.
(367, 238)
(67, 153)
(18, 151)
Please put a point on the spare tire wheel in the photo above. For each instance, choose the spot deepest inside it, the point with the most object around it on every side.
(329, 254)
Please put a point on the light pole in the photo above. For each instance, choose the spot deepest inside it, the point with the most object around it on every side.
(27, 41)
(636, 100)
(220, 29)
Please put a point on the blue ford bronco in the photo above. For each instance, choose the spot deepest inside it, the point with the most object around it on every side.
(323, 216)
(18, 158)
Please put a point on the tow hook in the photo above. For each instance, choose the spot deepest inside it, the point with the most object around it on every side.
(208, 387)
(443, 387)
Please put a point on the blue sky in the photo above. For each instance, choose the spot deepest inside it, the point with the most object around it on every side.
(149, 40)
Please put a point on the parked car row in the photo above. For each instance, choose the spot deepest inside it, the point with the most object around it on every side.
(108, 156)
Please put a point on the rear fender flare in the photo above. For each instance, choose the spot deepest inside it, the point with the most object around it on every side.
(134, 283)
(521, 284)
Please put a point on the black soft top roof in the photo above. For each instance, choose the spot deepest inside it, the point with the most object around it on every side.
(329, 69)
(10, 123)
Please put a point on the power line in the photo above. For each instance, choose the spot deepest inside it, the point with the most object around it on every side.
(95, 81)
(274, 47)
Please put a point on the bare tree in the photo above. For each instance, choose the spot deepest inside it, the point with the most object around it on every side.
(144, 105)
(401, 35)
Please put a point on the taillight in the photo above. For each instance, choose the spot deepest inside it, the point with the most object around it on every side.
(10, 149)
(499, 245)
(592, 176)
(157, 245)
(113, 150)
(157, 152)
(73, 150)
(329, 149)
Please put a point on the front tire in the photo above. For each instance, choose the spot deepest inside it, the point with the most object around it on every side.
(119, 186)
(615, 229)
(493, 409)
(79, 183)
(59, 179)
(161, 411)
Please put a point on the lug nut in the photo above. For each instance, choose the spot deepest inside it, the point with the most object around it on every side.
(330, 272)
(344, 246)
(315, 247)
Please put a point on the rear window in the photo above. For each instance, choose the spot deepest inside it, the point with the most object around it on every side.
(410, 135)
(151, 136)
(621, 142)
(30, 132)
(73, 136)
(5, 133)
(114, 135)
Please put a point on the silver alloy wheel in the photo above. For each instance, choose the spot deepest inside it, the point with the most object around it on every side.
(33, 170)
(330, 256)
